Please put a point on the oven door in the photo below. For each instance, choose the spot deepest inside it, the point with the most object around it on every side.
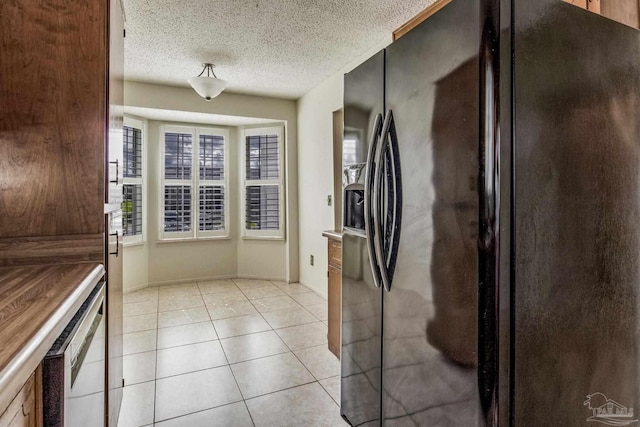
(74, 369)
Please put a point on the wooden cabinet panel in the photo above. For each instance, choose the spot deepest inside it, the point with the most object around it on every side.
(22, 411)
(579, 3)
(335, 294)
(52, 125)
(624, 11)
(114, 250)
(114, 329)
(420, 18)
(335, 297)
(335, 253)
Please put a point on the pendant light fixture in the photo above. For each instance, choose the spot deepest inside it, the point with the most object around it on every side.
(208, 86)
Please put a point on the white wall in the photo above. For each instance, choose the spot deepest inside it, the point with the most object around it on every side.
(135, 267)
(315, 178)
(184, 261)
(315, 166)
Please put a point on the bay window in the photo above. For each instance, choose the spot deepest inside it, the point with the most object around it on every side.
(133, 181)
(263, 183)
(194, 199)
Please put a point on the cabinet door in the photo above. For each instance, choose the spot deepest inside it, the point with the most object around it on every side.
(22, 410)
(114, 319)
(114, 225)
(53, 117)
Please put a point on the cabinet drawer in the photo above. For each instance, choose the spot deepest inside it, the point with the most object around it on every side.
(335, 253)
(22, 410)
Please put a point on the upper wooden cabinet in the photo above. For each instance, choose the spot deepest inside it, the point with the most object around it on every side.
(624, 11)
(52, 117)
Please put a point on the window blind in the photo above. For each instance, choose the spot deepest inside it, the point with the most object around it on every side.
(263, 161)
(132, 152)
(132, 177)
(211, 157)
(178, 155)
(211, 208)
(132, 209)
(262, 207)
(177, 208)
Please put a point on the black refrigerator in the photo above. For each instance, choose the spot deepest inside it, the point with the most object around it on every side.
(491, 230)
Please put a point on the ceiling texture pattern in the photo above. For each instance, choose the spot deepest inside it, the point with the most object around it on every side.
(279, 48)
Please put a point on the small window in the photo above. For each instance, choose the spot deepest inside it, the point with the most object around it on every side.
(133, 181)
(263, 183)
(195, 201)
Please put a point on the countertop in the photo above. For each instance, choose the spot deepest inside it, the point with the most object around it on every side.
(332, 234)
(36, 304)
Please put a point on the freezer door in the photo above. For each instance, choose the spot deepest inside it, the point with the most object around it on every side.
(577, 228)
(361, 298)
(430, 312)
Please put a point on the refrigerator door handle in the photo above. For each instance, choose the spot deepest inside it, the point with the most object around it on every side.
(386, 247)
(370, 208)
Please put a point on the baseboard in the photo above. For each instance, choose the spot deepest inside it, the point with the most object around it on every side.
(271, 279)
(204, 279)
(322, 292)
(135, 288)
(190, 280)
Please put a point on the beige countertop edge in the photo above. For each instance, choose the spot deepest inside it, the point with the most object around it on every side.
(332, 234)
(19, 369)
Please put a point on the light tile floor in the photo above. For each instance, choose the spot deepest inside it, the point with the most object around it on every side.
(228, 353)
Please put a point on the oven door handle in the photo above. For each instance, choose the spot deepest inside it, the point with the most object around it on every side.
(86, 331)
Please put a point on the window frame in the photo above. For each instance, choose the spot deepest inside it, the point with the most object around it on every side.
(280, 182)
(195, 182)
(141, 238)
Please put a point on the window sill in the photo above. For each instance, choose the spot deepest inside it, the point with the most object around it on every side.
(133, 244)
(271, 238)
(193, 240)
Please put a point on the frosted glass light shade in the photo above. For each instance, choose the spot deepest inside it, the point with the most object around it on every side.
(208, 87)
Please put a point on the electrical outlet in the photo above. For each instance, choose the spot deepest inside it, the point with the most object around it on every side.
(311, 259)
(329, 201)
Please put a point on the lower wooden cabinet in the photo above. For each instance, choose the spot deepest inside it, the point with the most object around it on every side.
(26, 408)
(335, 295)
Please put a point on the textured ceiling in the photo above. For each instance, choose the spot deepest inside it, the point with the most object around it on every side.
(280, 48)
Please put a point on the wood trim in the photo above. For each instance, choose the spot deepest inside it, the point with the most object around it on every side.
(86, 248)
(39, 408)
(590, 5)
(624, 11)
(338, 135)
(579, 3)
(420, 18)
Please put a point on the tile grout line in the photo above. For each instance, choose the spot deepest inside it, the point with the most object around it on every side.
(271, 328)
(155, 376)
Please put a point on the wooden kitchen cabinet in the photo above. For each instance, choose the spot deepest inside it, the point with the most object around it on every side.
(62, 80)
(25, 409)
(335, 294)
